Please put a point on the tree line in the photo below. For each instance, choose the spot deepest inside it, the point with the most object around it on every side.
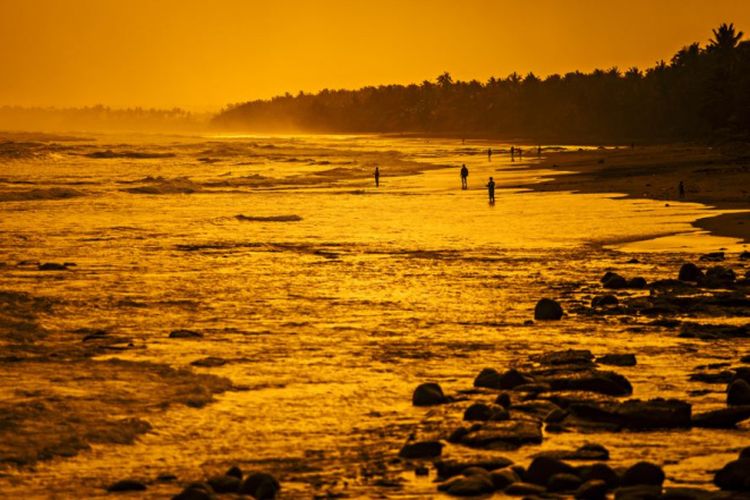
(703, 93)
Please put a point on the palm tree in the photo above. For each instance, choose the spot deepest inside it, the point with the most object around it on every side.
(725, 38)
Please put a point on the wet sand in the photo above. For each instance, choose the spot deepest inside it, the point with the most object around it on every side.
(713, 176)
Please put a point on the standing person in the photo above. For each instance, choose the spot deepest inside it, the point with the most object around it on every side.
(520, 153)
(539, 151)
(377, 176)
(464, 176)
(491, 190)
(512, 153)
(681, 190)
(489, 154)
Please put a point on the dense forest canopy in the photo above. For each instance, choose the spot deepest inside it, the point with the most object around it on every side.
(702, 93)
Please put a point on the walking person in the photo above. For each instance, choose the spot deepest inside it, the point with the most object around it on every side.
(491, 190)
(464, 177)
(377, 177)
(512, 153)
(489, 154)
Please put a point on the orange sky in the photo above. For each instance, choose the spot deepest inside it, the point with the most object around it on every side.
(204, 54)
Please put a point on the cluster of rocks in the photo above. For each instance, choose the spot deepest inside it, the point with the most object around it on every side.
(735, 476)
(258, 485)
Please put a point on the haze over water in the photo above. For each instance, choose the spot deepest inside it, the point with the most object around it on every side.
(330, 299)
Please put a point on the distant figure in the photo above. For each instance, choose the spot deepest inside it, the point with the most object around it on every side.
(539, 151)
(512, 153)
(520, 153)
(491, 190)
(464, 177)
(377, 177)
(681, 189)
(489, 154)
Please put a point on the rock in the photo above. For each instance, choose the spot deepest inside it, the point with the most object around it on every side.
(503, 399)
(566, 357)
(225, 484)
(481, 411)
(691, 330)
(428, 394)
(745, 255)
(190, 493)
(595, 489)
(615, 281)
(633, 261)
(617, 359)
(738, 393)
(474, 485)
(725, 418)
(637, 283)
(639, 492)
(421, 449)
(261, 485)
(166, 478)
(745, 453)
(589, 451)
(542, 469)
(636, 414)
(126, 485)
(745, 359)
(643, 473)
(686, 494)
(734, 476)
(450, 468)
(555, 416)
(603, 382)
(718, 277)
(474, 470)
(604, 301)
(564, 482)
(235, 471)
(690, 272)
(601, 472)
(548, 309)
(421, 470)
(508, 434)
(712, 257)
(538, 408)
(209, 362)
(524, 489)
(724, 377)
(503, 478)
(185, 334)
(52, 266)
(490, 378)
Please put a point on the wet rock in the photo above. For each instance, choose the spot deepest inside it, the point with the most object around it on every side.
(53, 266)
(474, 485)
(481, 411)
(643, 473)
(548, 309)
(637, 283)
(745, 453)
(191, 493)
(602, 382)
(690, 272)
(617, 359)
(555, 416)
(686, 494)
(718, 277)
(725, 418)
(666, 323)
(614, 281)
(421, 449)
(542, 469)
(524, 489)
(209, 362)
(473, 471)
(638, 492)
(738, 393)
(601, 472)
(490, 378)
(508, 434)
(538, 408)
(636, 414)
(712, 257)
(594, 489)
(503, 400)
(126, 485)
(564, 482)
(503, 478)
(185, 334)
(712, 332)
(428, 394)
(734, 476)
(225, 484)
(566, 357)
(589, 451)
(723, 377)
(745, 255)
(235, 471)
(450, 468)
(604, 301)
(166, 478)
(745, 359)
(261, 485)
(421, 470)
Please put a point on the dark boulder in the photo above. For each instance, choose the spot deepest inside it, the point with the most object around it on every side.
(617, 359)
(53, 266)
(225, 484)
(503, 478)
(261, 485)
(235, 471)
(638, 492)
(564, 482)
(686, 494)
(477, 484)
(478, 411)
(738, 393)
(522, 489)
(690, 272)
(548, 309)
(636, 414)
(734, 476)
(604, 301)
(508, 434)
(450, 468)
(209, 362)
(491, 379)
(712, 257)
(185, 334)
(615, 282)
(589, 451)
(126, 485)
(718, 277)
(725, 418)
(503, 399)
(542, 469)
(643, 473)
(428, 394)
(595, 489)
(601, 472)
(637, 283)
(712, 332)
(745, 453)
(421, 449)
(603, 382)
(566, 357)
(191, 493)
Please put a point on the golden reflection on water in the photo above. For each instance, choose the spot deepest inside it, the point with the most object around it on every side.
(329, 322)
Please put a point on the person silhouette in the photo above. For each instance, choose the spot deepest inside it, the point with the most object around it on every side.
(489, 154)
(512, 153)
(491, 190)
(520, 153)
(681, 189)
(377, 177)
(539, 151)
(464, 176)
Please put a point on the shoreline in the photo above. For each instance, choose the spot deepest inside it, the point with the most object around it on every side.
(716, 177)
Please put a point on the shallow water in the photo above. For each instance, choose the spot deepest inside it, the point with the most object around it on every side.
(330, 321)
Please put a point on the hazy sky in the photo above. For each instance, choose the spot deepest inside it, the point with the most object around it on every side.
(207, 53)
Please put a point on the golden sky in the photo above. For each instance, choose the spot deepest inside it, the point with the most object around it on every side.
(202, 54)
